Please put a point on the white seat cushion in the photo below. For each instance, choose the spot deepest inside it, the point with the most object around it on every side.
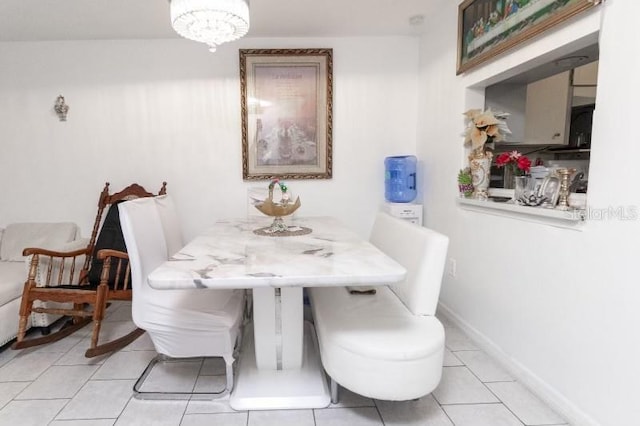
(12, 278)
(374, 346)
(376, 325)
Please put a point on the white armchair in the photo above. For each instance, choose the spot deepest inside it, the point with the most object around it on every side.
(181, 323)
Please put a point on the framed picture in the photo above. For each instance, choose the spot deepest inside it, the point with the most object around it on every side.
(286, 113)
(550, 190)
(487, 28)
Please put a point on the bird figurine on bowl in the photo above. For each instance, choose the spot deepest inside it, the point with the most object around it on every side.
(284, 207)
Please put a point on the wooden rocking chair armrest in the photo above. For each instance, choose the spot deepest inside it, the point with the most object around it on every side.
(51, 268)
(53, 253)
(104, 253)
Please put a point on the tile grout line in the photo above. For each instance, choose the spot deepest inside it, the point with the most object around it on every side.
(378, 411)
(489, 389)
(501, 402)
(497, 397)
(442, 409)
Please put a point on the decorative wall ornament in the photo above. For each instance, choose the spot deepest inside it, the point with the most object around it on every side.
(61, 108)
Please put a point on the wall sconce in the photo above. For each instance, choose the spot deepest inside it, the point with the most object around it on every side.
(61, 108)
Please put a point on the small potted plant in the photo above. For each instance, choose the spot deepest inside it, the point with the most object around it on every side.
(464, 182)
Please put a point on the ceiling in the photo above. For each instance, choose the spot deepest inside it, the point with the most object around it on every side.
(35, 20)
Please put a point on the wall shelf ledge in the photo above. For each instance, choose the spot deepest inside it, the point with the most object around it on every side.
(571, 219)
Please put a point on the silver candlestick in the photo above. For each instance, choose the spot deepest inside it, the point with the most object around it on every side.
(563, 200)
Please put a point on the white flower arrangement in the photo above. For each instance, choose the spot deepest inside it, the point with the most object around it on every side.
(484, 127)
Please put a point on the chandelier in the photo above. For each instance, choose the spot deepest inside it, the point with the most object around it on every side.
(210, 21)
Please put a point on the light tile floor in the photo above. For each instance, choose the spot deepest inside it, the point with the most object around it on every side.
(56, 385)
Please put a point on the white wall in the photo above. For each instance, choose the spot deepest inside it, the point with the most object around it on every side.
(559, 306)
(148, 111)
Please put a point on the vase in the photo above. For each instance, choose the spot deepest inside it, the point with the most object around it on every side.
(480, 164)
(520, 184)
(524, 190)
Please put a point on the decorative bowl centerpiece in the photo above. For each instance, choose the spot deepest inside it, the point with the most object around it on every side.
(277, 209)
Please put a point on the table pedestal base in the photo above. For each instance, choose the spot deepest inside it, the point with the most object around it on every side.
(280, 389)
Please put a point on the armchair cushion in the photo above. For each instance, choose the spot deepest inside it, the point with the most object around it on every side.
(19, 236)
(12, 276)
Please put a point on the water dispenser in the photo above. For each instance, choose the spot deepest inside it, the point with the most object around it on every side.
(400, 179)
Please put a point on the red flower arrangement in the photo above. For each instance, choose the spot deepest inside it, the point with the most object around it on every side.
(518, 163)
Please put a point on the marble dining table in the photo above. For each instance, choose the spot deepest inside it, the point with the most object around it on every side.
(279, 365)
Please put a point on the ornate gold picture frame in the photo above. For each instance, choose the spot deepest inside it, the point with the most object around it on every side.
(487, 28)
(287, 97)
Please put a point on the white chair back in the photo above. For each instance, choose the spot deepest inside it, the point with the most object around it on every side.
(170, 224)
(144, 237)
(422, 252)
(181, 323)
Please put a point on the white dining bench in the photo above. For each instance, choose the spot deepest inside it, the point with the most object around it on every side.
(388, 345)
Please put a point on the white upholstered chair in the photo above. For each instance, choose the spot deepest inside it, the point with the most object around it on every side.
(170, 224)
(180, 323)
(387, 345)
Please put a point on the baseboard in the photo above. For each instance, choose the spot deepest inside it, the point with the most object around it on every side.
(522, 374)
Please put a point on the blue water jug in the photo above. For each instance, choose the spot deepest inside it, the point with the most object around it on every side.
(400, 179)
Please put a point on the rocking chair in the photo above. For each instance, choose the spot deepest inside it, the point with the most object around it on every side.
(53, 278)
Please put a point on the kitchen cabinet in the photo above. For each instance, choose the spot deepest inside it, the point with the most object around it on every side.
(540, 104)
(586, 75)
(509, 98)
(548, 107)
(585, 81)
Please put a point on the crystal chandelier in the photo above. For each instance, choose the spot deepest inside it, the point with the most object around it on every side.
(210, 21)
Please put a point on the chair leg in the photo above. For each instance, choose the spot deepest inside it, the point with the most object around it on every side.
(98, 313)
(138, 393)
(22, 330)
(25, 311)
(96, 331)
(334, 391)
(77, 307)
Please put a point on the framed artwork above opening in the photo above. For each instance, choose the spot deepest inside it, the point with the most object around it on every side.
(487, 28)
